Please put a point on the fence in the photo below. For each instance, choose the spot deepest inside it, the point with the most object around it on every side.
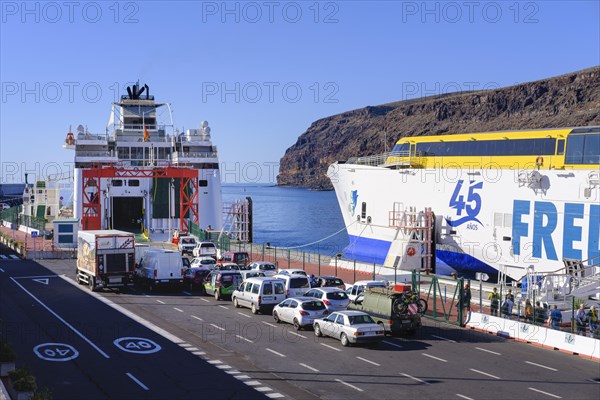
(12, 216)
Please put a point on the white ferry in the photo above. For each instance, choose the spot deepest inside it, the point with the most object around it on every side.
(498, 202)
(142, 174)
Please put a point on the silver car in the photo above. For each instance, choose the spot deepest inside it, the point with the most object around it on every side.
(349, 327)
(266, 267)
(335, 299)
(300, 311)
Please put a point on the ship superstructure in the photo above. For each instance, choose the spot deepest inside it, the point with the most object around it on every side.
(142, 174)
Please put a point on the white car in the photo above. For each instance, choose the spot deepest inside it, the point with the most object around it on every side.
(335, 299)
(186, 244)
(204, 261)
(292, 271)
(266, 267)
(205, 249)
(349, 327)
(359, 286)
(299, 311)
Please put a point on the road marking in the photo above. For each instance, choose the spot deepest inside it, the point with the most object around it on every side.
(224, 366)
(14, 257)
(309, 367)
(240, 377)
(415, 379)
(185, 345)
(434, 357)
(137, 345)
(204, 300)
(198, 318)
(2, 256)
(546, 393)
(1, 270)
(263, 389)
(463, 396)
(36, 276)
(349, 385)
(393, 344)
(331, 347)
(488, 351)
(593, 380)
(243, 338)
(233, 372)
(214, 362)
(224, 307)
(81, 335)
(177, 309)
(443, 338)
(136, 380)
(252, 383)
(218, 327)
(297, 334)
(198, 353)
(187, 293)
(245, 315)
(160, 301)
(267, 323)
(275, 352)
(369, 361)
(274, 395)
(484, 373)
(541, 366)
(192, 349)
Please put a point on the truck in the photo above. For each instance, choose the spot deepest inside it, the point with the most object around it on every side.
(105, 258)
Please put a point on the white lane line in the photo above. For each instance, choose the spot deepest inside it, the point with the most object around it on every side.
(592, 380)
(415, 379)
(309, 367)
(14, 257)
(224, 366)
(267, 323)
(252, 383)
(275, 352)
(198, 318)
(192, 349)
(215, 362)
(245, 315)
(434, 357)
(160, 301)
(198, 353)
(369, 361)
(240, 377)
(488, 351)
(147, 295)
(232, 372)
(274, 395)
(463, 396)
(483, 373)
(81, 335)
(243, 338)
(349, 385)
(136, 380)
(546, 393)
(204, 300)
(2, 256)
(187, 293)
(177, 309)
(331, 347)
(185, 345)
(1, 270)
(227, 308)
(218, 327)
(443, 338)
(297, 334)
(263, 389)
(393, 344)
(540, 365)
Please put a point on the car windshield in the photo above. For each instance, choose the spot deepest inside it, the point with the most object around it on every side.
(337, 296)
(360, 319)
(334, 282)
(268, 267)
(313, 305)
(298, 283)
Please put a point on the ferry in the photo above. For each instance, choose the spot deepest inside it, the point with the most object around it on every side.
(498, 203)
(143, 175)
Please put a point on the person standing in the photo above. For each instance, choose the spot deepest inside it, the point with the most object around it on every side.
(555, 318)
(593, 318)
(510, 299)
(581, 319)
(528, 311)
(466, 297)
(494, 298)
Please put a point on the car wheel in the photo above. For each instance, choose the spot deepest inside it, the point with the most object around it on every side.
(92, 283)
(254, 309)
(235, 303)
(217, 295)
(318, 332)
(276, 317)
(344, 340)
(385, 333)
(297, 324)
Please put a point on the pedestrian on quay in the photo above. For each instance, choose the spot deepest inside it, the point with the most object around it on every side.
(581, 320)
(528, 311)
(540, 314)
(507, 305)
(593, 318)
(494, 298)
(555, 318)
(510, 296)
(466, 297)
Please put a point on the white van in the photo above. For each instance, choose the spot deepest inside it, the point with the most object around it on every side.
(259, 293)
(295, 285)
(160, 267)
(359, 286)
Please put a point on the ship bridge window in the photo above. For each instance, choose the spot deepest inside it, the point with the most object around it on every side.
(481, 148)
(202, 183)
(560, 149)
(117, 182)
(123, 153)
(583, 149)
(133, 182)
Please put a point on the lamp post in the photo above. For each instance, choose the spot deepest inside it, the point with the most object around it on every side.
(337, 256)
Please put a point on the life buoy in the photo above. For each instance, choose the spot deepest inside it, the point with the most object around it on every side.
(539, 160)
(411, 251)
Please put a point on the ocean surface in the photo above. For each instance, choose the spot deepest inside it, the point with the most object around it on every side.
(302, 219)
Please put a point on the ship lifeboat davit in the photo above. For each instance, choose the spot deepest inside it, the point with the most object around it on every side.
(70, 140)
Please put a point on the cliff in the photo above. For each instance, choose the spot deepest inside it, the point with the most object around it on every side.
(567, 100)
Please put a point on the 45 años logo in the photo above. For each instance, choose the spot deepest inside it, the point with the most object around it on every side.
(471, 206)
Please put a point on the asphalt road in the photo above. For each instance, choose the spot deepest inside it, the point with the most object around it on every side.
(439, 362)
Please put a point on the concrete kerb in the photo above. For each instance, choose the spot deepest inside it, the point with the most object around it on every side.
(582, 346)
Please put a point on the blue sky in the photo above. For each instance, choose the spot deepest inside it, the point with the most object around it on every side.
(262, 72)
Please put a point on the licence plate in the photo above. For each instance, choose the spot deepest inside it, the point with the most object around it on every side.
(115, 279)
(164, 280)
(406, 322)
(268, 297)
